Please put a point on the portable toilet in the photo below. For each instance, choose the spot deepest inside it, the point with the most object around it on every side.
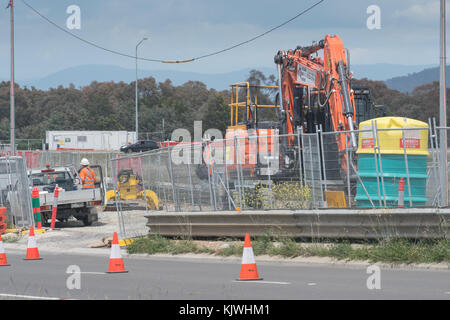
(400, 151)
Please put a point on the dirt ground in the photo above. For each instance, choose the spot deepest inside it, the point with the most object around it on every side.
(71, 235)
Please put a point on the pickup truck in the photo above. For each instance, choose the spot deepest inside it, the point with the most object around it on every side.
(73, 201)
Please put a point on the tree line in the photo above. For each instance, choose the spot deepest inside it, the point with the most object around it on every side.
(111, 106)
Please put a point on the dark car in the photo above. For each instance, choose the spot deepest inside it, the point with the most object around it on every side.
(140, 146)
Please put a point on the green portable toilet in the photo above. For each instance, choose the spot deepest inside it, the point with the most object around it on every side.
(391, 163)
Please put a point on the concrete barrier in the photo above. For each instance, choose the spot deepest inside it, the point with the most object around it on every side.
(423, 223)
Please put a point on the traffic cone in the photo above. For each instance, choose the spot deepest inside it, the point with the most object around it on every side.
(32, 250)
(3, 260)
(248, 266)
(115, 260)
(401, 193)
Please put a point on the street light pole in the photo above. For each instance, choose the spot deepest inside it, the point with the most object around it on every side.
(443, 113)
(12, 112)
(137, 97)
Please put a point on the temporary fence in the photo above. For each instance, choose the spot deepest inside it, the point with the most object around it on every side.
(318, 169)
(22, 144)
(15, 193)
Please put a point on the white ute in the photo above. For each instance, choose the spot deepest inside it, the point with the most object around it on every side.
(73, 201)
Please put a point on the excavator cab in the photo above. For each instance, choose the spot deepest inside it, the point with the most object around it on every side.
(253, 126)
(365, 108)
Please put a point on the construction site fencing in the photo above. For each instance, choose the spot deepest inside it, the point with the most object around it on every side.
(15, 193)
(375, 167)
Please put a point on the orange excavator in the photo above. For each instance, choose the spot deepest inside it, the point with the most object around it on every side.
(316, 91)
(313, 91)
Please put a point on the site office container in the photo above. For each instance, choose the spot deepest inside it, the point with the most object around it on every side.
(88, 140)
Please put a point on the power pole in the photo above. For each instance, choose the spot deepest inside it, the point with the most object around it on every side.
(12, 112)
(443, 115)
(137, 95)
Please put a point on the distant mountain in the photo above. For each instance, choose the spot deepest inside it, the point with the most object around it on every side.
(384, 71)
(84, 75)
(400, 77)
(409, 82)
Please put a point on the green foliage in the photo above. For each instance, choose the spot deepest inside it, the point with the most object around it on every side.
(111, 106)
(282, 195)
(271, 243)
(421, 104)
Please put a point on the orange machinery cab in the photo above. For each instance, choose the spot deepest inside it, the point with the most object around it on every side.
(250, 143)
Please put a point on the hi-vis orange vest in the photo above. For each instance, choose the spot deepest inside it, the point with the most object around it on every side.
(87, 176)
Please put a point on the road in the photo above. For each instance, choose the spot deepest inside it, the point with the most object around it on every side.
(205, 279)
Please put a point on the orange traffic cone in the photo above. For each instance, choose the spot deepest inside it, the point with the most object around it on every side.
(248, 266)
(115, 260)
(3, 261)
(32, 250)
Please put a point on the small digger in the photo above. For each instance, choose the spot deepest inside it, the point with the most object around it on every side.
(130, 187)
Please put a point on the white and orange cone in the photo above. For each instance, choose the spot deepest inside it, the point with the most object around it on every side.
(248, 266)
(3, 260)
(32, 250)
(115, 260)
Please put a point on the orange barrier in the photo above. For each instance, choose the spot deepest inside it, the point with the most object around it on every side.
(2, 220)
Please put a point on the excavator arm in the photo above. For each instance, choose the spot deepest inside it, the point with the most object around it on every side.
(308, 83)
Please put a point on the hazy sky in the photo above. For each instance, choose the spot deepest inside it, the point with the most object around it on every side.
(180, 29)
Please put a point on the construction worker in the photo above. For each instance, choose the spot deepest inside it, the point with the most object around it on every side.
(87, 175)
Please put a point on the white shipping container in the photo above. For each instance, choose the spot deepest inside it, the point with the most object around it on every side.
(88, 140)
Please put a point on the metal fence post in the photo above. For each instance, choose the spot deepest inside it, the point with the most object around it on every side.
(143, 183)
(380, 163)
(160, 180)
(406, 167)
(236, 158)
(312, 173)
(190, 180)
(299, 137)
(375, 156)
(226, 175)
(175, 198)
(324, 166)
(348, 172)
(118, 202)
(433, 155)
(320, 167)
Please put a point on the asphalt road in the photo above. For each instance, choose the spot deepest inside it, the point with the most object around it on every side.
(195, 279)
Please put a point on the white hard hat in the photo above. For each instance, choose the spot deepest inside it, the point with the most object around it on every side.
(84, 162)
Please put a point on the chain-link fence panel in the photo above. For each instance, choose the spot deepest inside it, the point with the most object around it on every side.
(15, 191)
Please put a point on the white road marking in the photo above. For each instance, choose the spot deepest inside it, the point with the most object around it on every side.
(30, 297)
(259, 281)
(87, 272)
(312, 284)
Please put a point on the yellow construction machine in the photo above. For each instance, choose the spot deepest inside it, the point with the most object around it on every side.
(130, 187)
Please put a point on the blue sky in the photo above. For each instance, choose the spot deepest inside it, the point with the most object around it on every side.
(181, 29)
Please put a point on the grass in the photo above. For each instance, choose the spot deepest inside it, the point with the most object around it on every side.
(394, 251)
(153, 244)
